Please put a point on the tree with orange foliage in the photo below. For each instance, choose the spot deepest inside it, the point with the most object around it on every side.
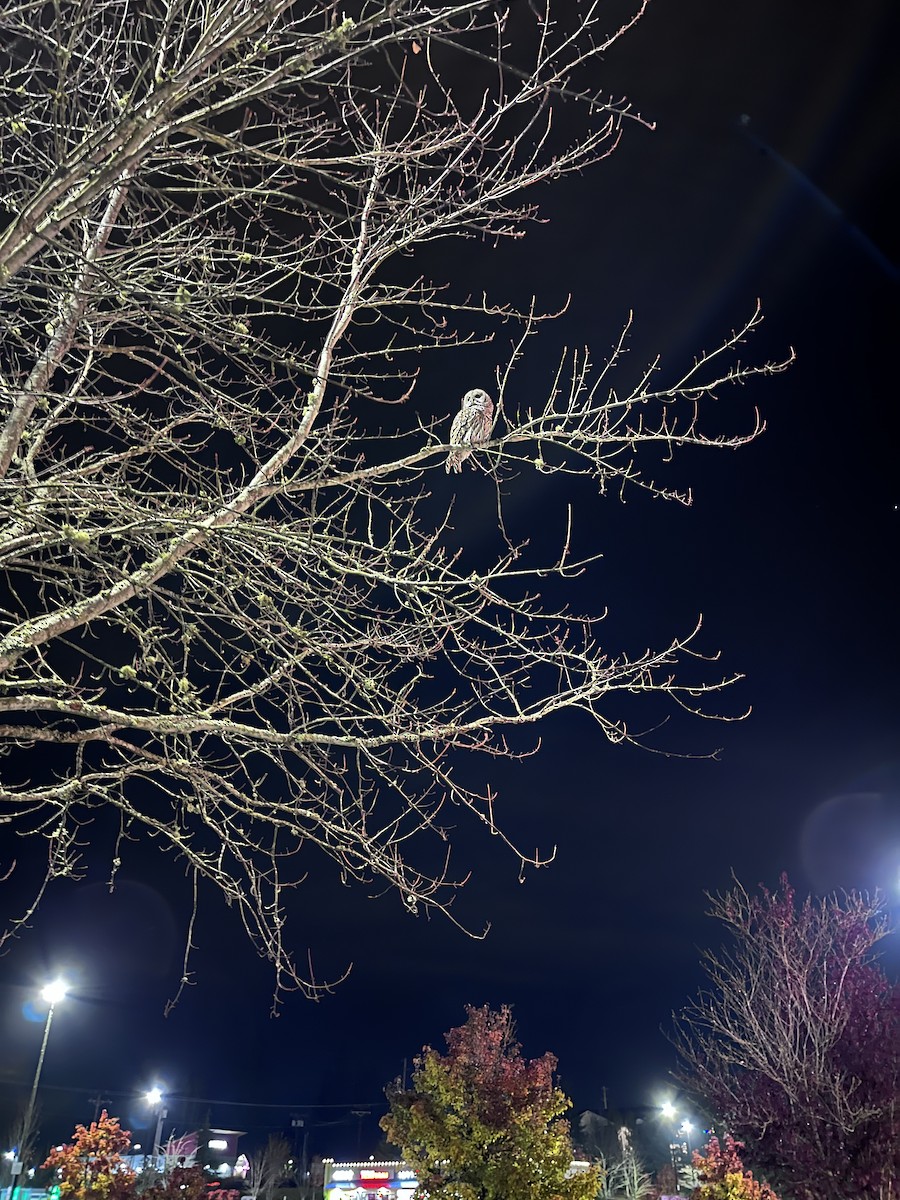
(91, 1165)
(722, 1174)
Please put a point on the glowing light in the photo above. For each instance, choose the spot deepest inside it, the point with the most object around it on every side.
(154, 1096)
(217, 1144)
(668, 1110)
(54, 992)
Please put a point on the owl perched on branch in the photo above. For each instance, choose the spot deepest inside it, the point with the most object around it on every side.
(471, 427)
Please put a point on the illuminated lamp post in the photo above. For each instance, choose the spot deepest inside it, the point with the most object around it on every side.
(687, 1129)
(155, 1098)
(669, 1113)
(52, 993)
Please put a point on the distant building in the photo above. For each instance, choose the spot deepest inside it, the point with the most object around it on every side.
(220, 1152)
(382, 1180)
(368, 1180)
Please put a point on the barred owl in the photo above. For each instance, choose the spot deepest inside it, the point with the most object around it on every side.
(471, 427)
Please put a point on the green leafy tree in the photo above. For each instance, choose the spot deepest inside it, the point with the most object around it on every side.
(483, 1123)
(91, 1165)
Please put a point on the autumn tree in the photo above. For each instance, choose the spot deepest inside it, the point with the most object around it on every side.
(666, 1180)
(187, 1183)
(483, 1123)
(91, 1167)
(180, 1183)
(722, 1174)
(795, 1043)
(235, 618)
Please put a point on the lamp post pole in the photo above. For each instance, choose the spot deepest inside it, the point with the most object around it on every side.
(156, 1098)
(669, 1114)
(53, 993)
(157, 1148)
(685, 1131)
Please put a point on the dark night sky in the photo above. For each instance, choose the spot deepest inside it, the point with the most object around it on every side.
(772, 172)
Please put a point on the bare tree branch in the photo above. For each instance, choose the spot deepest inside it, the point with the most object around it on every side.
(795, 1041)
(230, 606)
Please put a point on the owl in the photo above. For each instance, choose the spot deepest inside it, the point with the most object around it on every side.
(471, 427)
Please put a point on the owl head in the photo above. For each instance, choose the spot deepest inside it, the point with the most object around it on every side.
(477, 398)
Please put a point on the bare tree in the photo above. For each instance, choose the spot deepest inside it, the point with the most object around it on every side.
(176, 1151)
(232, 617)
(269, 1166)
(22, 1138)
(795, 1045)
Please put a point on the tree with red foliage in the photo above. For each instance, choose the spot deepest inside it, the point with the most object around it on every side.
(722, 1174)
(796, 1044)
(484, 1123)
(666, 1180)
(181, 1183)
(91, 1165)
(187, 1183)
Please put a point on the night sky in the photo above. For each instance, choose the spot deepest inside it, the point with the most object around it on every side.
(771, 173)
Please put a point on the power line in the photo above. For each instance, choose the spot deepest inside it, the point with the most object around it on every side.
(382, 1103)
(178, 1097)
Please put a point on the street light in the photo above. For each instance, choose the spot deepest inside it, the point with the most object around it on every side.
(154, 1098)
(669, 1114)
(52, 993)
(686, 1130)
